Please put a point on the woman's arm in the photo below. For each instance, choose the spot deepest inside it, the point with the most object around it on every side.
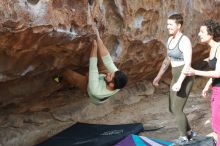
(211, 74)
(163, 68)
(206, 88)
(186, 47)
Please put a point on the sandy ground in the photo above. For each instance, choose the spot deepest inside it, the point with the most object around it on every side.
(152, 111)
(32, 122)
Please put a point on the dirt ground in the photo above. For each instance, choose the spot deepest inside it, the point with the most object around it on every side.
(33, 122)
(152, 111)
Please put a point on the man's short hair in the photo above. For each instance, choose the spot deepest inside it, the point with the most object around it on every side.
(177, 17)
(120, 80)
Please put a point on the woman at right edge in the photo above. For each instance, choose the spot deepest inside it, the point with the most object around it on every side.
(179, 54)
(210, 34)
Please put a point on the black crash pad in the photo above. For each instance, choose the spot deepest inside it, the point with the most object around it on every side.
(83, 134)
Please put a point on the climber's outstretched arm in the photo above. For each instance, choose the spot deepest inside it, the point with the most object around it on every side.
(102, 48)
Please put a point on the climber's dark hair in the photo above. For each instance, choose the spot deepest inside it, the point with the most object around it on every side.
(120, 79)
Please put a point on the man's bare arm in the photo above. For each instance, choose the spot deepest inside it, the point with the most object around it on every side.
(102, 48)
(94, 49)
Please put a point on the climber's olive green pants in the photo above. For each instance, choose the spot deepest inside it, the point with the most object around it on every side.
(177, 100)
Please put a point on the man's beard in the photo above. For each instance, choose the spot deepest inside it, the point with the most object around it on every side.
(107, 82)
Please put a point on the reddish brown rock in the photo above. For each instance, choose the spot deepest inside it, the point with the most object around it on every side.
(40, 38)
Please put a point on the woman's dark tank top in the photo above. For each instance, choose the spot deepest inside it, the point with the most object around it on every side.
(212, 65)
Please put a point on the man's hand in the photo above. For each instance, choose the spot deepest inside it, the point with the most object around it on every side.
(95, 29)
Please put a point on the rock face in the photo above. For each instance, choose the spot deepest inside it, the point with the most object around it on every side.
(40, 38)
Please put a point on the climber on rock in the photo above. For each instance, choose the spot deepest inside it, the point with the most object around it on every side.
(98, 86)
